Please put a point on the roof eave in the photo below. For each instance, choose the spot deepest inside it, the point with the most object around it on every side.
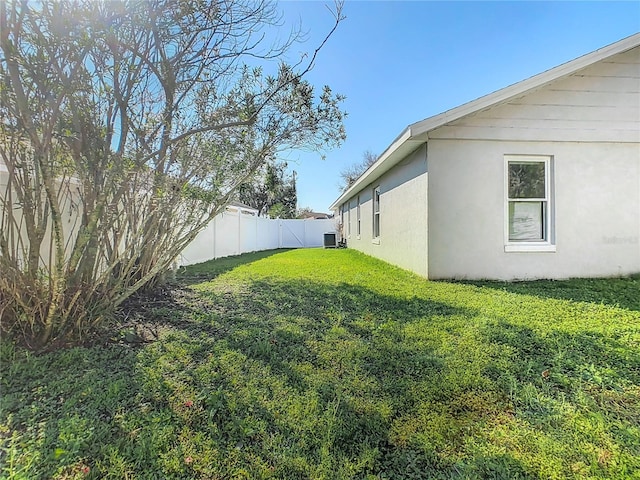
(525, 86)
(390, 157)
(418, 132)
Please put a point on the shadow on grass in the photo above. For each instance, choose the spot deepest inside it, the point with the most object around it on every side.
(206, 271)
(569, 360)
(59, 411)
(620, 292)
(285, 322)
(346, 346)
(302, 379)
(279, 322)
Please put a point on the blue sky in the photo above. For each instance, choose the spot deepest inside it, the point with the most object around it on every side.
(400, 62)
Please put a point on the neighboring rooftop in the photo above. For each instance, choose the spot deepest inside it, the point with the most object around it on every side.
(315, 215)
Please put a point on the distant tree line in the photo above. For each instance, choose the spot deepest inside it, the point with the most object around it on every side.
(272, 191)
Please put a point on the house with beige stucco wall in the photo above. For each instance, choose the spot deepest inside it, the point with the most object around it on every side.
(538, 180)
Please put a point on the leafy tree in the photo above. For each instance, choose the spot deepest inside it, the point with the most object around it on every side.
(272, 191)
(351, 173)
(126, 126)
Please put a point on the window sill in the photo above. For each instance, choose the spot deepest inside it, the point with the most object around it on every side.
(529, 247)
(375, 241)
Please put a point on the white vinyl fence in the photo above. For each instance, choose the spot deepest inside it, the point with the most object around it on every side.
(235, 232)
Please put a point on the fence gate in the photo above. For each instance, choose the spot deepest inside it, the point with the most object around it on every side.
(292, 234)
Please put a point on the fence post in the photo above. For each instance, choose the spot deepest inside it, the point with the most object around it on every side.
(238, 243)
(304, 234)
(255, 225)
(214, 235)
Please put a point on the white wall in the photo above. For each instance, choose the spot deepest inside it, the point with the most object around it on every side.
(233, 233)
(596, 201)
(403, 216)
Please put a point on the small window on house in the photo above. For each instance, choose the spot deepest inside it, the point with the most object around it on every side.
(528, 200)
(376, 212)
(349, 218)
(358, 217)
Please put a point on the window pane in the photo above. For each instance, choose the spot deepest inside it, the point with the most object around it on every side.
(526, 221)
(376, 212)
(526, 180)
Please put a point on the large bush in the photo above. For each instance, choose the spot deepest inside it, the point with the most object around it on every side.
(126, 127)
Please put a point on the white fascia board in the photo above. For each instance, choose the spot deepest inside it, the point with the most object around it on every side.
(524, 86)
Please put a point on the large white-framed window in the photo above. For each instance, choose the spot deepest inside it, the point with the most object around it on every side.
(528, 203)
(358, 217)
(376, 212)
(349, 218)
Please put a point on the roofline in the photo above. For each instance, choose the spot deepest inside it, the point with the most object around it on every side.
(375, 168)
(417, 132)
(526, 85)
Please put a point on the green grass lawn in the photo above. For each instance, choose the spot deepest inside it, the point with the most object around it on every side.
(327, 364)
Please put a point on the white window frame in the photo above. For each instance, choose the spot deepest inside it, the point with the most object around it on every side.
(349, 219)
(547, 243)
(376, 214)
(358, 224)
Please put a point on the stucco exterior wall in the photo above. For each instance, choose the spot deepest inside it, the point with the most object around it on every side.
(403, 216)
(589, 125)
(582, 119)
(595, 201)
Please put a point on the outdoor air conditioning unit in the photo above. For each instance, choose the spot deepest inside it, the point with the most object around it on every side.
(330, 240)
